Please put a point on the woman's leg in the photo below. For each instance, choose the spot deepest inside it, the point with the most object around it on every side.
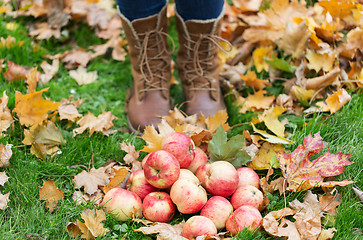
(199, 9)
(135, 9)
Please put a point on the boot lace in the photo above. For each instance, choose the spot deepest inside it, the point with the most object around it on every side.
(200, 63)
(154, 66)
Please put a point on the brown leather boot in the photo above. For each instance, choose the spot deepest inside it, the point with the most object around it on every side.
(150, 58)
(198, 64)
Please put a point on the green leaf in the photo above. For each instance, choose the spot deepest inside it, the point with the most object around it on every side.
(222, 149)
(281, 64)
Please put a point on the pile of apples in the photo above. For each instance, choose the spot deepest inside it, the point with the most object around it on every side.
(179, 177)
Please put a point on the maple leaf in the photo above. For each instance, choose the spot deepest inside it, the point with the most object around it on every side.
(154, 138)
(318, 61)
(222, 149)
(266, 157)
(5, 115)
(5, 155)
(44, 31)
(92, 226)
(270, 118)
(119, 177)
(271, 138)
(32, 78)
(113, 29)
(51, 194)
(91, 180)
(302, 174)
(259, 55)
(49, 70)
(44, 139)
(335, 101)
(76, 57)
(68, 110)
(14, 72)
(102, 124)
(83, 77)
(301, 93)
(251, 80)
(322, 81)
(32, 109)
(350, 48)
(247, 5)
(4, 199)
(255, 102)
(3, 178)
(216, 120)
(329, 202)
(165, 231)
(131, 156)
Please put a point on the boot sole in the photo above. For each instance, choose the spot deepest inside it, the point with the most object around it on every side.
(133, 130)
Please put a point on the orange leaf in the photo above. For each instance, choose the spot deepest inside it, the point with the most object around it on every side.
(335, 101)
(51, 194)
(251, 80)
(255, 102)
(15, 72)
(219, 118)
(119, 177)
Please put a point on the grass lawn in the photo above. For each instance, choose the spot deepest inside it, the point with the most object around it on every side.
(27, 217)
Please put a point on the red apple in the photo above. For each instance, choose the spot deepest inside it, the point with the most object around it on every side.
(244, 217)
(221, 179)
(247, 195)
(247, 176)
(198, 226)
(161, 169)
(137, 183)
(199, 159)
(123, 204)
(188, 196)
(181, 146)
(217, 209)
(201, 173)
(158, 207)
(187, 174)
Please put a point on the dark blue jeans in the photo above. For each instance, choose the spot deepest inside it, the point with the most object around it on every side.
(187, 9)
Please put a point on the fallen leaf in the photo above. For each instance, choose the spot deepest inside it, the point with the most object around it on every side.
(49, 71)
(165, 231)
(91, 180)
(101, 124)
(76, 57)
(270, 118)
(113, 29)
(271, 138)
(259, 55)
(68, 110)
(97, 16)
(51, 194)
(92, 226)
(32, 109)
(301, 93)
(222, 149)
(327, 234)
(218, 119)
(255, 102)
(32, 78)
(247, 5)
(44, 31)
(318, 61)
(154, 138)
(251, 80)
(266, 157)
(14, 72)
(335, 101)
(3, 178)
(301, 174)
(5, 116)
(322, 81)
(5, 155)
(119, 177)
(329, 202)
(4, 199)
(83, 77)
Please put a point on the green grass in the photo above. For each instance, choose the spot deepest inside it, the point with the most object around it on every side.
(26, 214)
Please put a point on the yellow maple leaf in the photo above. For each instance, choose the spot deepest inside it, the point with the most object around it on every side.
(251, 80)
(102, 124)
(335, 101)
(270, 118)
(218, 119)
(255, 102)
(51, 194)
(266, 157)
(32, 80)
(119, 177)
(301, 93)
(319, 61)
(32, 109)
(154, 138)
(259, 56)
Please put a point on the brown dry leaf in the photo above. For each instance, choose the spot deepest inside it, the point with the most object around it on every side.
(165, 231)
(270, 118)
(329, 202)
(83, 77)
(113, 29)
(84, 198)
(119, 177)
(14, 72)
(335, 101)
(132, 155)
(97, 16)
(5, 155)
(202, 137)
(44, 139)
(32, 78)
(44, 31)
(272, 226)
(92, 226)
(353, 43)
(4, 199)
(49, 70)
(91, 180)
(32, 109)
(247, 5)
(154, 138)
(5, 116)
(251, 80)
(76, 57)
(255, 102)
(68, 110)
(320, 61)
(51, 194)
(101, 124)
(322, 81)
(266, 157)
(3, 178)
(218, 119)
